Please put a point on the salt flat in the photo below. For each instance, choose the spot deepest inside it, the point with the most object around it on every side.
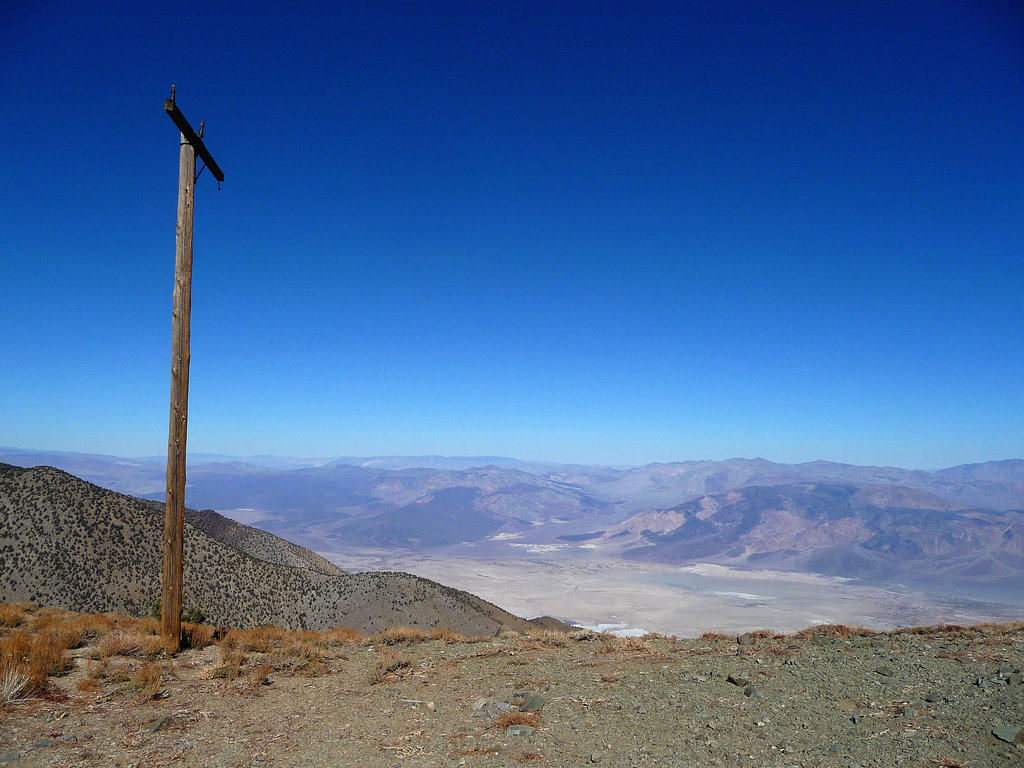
(679, 600)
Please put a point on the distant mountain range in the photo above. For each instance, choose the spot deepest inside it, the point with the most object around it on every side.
(69, 543)
(870, 532)
(955, 525)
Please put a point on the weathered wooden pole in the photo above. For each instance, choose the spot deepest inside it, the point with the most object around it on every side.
(174, 515)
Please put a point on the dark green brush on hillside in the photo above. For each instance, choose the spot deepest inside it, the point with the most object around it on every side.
(69, 543)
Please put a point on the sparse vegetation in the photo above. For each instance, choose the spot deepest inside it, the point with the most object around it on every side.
(387, 663)
(412, 670)
(502, 722)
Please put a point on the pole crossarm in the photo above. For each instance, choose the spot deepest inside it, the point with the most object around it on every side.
(193, 138)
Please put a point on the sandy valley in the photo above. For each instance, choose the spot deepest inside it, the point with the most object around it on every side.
(684, 601)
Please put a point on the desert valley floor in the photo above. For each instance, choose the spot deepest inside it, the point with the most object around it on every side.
(685, 601)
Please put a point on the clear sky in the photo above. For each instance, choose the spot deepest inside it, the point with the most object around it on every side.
(596, 232)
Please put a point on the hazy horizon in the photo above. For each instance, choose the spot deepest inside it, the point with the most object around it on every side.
(490, 456)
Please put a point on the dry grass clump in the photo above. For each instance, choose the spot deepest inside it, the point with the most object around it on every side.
(262, 639)
(27, 661)
(447, 635)
(843, 631)
(398, 636)
(714, 636)
(552, 639)
(342, 636)
(12, 614)
(197, 635)
(146, 681)
(502, 722)
(388, 662)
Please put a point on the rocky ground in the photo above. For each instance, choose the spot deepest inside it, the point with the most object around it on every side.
(947, 696)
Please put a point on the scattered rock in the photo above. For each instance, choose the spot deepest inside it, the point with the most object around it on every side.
(1009, 733)
(43, 743)
(595, 757)
(752, 692)
(737, 680)
(531, 701)
(746, 639)
(520, 730)
(157, 724)
(884, 670)
(417, 704)
(7, 757)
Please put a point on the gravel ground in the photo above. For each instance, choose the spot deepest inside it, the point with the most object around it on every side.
(924, 697)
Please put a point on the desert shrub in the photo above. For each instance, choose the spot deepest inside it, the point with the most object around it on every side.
(146, 681)
(342, 636)
(13, 682)
(193, 615)
(713, 636)
(387, 663)
(516, 718)
(118, 643)
(446, 635)
(398, 636)
(12, 615)
(261, 639)
(198, 635)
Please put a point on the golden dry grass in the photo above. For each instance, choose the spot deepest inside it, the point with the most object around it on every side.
(342, 636)
(147, 681)
(12, 614)
(388, 662)
(398, 636)
(447, 635)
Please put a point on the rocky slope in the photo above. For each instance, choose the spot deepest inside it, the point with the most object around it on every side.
(831, 698)
(68, 543)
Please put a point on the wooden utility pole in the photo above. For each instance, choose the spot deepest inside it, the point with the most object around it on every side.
(174, 515)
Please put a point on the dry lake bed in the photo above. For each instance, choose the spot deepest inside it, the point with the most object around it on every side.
(632, 598)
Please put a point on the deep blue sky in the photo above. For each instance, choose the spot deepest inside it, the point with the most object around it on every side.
(594, 232)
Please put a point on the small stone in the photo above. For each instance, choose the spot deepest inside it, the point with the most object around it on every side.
(1009, 733)
(531, 702)
(751, 692)
(595, 757)
(745, 639)
(156, 725)
(520, 730)
(907, 712)
(884, 670)
(931, 698)
(737, 680)
(855, 719)
(417, 704)
(7, 757)
(43, 743)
